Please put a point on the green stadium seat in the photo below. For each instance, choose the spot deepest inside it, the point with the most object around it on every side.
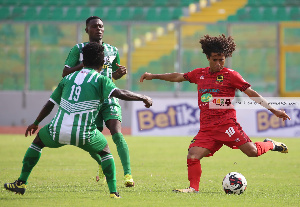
(233, 18)
(72, 15)
(43, 14)
(56, 14)
(121, 3)
(111, 14)
(159, 3)
(138, 14)
(108, 3)
(4, 13)
(282, 14)
(126, 14)
(100, 12)
(152, 14)
(165, 14)
(177, 13)
(268, 14)
(17, 13)
(84, 14)
(30, 14)
(295, 14)
(255, 14)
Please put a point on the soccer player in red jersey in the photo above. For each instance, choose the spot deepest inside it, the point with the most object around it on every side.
(218, 127)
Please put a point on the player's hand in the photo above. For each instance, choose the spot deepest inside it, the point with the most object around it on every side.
(281, 114)
(148, 101)
(31, 129)
(122, 70)
(146, 76)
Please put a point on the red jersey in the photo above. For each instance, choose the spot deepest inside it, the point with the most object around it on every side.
(218, 84)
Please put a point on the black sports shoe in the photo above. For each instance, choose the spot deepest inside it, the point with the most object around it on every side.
(18, 187)
(278, 146)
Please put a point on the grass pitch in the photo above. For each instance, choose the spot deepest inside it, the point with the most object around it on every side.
(66, 176)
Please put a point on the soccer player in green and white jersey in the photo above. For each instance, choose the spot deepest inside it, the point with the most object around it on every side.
(110, 112)
(80, 96)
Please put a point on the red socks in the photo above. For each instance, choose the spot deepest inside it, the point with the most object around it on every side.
(194, 173)
(263, 147)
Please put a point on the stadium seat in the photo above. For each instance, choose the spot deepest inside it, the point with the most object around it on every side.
(56, 13)
(107, 3)
(125, 14)
(295, 14)
(159, 3)
(43, 14)
(138, 14)
(71, 14)
(30, 14)
(85, 12)
(177, 13)
(100, 12)
(268, 14)
(4, 13)
(112, 14)
(17, 12)
(152, 14)
(282, 14)
(165, 14)
(255, 14)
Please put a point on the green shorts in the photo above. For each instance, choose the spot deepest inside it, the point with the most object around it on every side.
(92, 145)
(108, 112)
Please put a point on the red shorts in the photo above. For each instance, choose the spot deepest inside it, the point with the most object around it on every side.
(231, 135)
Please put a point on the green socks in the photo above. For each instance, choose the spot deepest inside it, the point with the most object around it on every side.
(123, 152)
(109, 170)
(31, 158)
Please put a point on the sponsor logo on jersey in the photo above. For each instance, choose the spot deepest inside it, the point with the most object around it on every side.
(209, 90)
(206, 97)
(220, 78)
(202, 77)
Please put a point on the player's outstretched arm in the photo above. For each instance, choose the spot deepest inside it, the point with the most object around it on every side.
(263, 102)
(46, 110)
(131, 96)
(171, 77)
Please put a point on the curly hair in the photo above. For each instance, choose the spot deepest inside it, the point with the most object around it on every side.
(219, 44)
(93, 55)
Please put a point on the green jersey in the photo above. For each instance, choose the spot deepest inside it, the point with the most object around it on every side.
(111, 57)
(79, 96)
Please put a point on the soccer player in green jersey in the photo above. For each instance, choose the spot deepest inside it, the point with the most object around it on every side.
(110, 112)
(80, 96)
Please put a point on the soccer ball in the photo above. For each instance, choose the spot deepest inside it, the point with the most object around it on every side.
(234, 183)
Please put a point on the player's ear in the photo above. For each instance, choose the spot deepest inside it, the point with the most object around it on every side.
(86, 30)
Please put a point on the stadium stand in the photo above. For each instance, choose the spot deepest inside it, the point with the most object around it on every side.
(145, 55)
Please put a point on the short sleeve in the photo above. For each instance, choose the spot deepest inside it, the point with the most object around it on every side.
(114, 63)
(238, 81)
(73, 57)
(57, 93)
(107, 87)
(191, 76)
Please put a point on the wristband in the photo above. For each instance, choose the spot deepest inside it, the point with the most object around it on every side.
(36, 123)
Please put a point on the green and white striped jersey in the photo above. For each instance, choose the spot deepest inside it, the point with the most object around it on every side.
(79, 96)
(111, 57)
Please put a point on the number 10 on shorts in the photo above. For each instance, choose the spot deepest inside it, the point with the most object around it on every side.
(230, 131)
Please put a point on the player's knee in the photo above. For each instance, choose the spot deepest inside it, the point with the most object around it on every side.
(251, 153)
(38, 141)
(105, 151)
